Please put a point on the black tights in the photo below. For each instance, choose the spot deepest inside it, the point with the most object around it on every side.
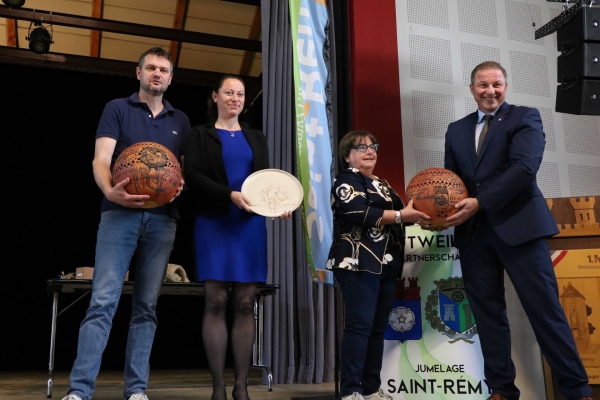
(214, 334)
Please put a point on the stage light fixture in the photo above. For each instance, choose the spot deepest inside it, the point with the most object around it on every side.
(39, 39)
(14, 3)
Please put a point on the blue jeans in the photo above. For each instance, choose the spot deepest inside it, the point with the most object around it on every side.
(120, 233)
(368, 300)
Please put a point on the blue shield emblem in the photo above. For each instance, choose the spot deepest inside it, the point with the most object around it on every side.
(404, 321)
(455, 311)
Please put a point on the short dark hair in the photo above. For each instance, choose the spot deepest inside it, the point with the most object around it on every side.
(213, 112)
(487, 65)
(349, 141)
(158, 52)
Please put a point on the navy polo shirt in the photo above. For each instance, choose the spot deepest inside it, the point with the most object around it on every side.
(129, 120)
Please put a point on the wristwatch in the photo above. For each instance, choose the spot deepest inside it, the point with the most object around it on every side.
(398, 217)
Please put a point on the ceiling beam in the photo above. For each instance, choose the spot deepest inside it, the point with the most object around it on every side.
(254, 34)
(11, 55)
(12, 39)
(178, 22)
(248, 2)
(127, 28)
(97, 8)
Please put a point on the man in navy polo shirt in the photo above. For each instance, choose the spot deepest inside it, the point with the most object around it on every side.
(125, 228)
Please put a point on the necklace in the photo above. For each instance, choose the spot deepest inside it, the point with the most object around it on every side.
(231, 132)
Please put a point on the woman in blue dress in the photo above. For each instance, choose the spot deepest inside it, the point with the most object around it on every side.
(230, 240)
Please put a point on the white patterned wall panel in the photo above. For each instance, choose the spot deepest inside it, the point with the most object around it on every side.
(485, 22)
(548, 179)
(432, 114)
(582, 178)
(470, 106)
(429, 159)
(430, 59)
(582, 135)
(522, 19)
(421, 12)
(530, 74)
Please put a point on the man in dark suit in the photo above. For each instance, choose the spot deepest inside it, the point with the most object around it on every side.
(503, 226)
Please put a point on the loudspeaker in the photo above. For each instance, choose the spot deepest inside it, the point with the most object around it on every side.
(579, 60)
(584, 26)
(580, 96)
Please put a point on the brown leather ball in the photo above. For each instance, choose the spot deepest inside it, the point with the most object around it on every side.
(152, 170)
(435, 191)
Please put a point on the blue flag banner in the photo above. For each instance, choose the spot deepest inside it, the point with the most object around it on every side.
(309, 20)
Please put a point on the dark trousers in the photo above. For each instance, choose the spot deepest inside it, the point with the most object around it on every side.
(368, 300)
(530, 269)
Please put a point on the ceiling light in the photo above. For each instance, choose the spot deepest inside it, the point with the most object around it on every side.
(39, 39)
(14, 3)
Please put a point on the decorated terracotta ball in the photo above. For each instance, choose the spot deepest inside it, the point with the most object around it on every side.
(435, 191)
(152, 170)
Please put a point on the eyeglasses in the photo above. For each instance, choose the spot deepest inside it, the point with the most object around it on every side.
(362, 148)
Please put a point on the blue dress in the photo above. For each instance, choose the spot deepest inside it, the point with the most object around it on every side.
(232, 247)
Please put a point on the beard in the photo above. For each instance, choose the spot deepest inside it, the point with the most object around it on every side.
(153, 90)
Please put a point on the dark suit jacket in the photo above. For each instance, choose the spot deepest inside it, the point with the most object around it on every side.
(503, 177)
(205, 173)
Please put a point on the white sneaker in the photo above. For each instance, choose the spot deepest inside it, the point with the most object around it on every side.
(138, 396)
(378, 395)
(71, 397)
(353, 396)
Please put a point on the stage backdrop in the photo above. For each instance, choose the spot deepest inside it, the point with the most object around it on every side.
(432, 346)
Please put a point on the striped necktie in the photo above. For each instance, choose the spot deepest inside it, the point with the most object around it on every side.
(487, 119)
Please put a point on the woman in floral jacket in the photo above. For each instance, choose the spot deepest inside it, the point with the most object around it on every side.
(366, 258)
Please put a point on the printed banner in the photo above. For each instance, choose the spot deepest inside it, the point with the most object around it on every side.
(309, 19)
(432, 347)
(578, 276)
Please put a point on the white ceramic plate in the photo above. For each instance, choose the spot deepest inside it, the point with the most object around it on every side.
(272, 192)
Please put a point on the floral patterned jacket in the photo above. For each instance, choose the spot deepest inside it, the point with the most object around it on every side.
(360, 242)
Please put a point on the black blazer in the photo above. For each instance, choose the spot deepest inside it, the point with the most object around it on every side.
(204, 169)
(502, 178)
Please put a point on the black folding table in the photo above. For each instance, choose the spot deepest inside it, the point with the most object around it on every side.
(82, 287)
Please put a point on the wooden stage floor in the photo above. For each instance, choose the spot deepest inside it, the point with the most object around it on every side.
(163, 385)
